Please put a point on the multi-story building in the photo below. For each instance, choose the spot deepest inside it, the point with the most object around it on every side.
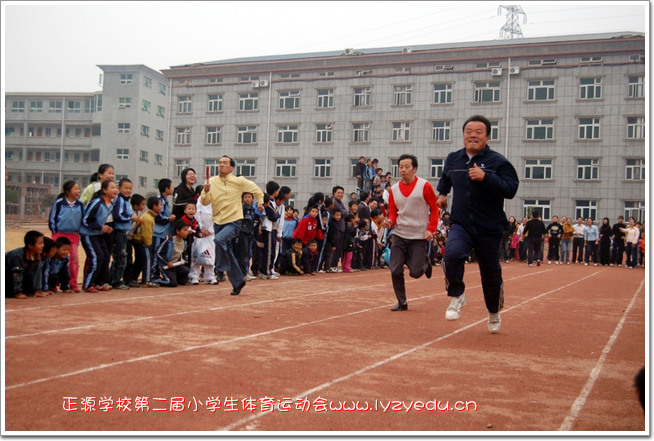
(569, 112)
(54, 137)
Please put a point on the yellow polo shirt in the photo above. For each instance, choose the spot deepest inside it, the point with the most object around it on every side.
(225, 197)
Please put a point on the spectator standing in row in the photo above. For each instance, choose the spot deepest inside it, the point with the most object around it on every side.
(338, 192)
(617, 250)
(122, 222)
(591, 241)
(632, 237)
(578, 241)
(554, 229)
(359, 172)
(184, 193)
(566, 239)
(105, 173)
(534, 232)
(605, 242)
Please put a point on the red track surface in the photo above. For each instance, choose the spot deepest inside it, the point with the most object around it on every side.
(571, 342)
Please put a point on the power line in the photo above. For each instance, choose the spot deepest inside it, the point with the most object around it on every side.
(511, 28)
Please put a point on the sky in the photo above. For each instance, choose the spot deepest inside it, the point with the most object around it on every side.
(56, 46)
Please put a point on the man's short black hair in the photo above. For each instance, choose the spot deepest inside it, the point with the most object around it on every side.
(414, 160)
(479, 118)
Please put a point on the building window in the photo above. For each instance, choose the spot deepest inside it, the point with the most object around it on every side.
(159, 135)
(362, 96)
(145, 131)
(586, 209)
(636, 87)
(440, 130)
(443, 93)
(325, 98)
(215, 103)
(143, 181)
(590, 88)
(589, 128)
(635, 127)
(248, 101)
(323, 133)
(289, 75)
(286, 168)
(289, 99)
(184, 104)
(162, 88)
(495, 130)
(540, 129)
(635, 170)
(322, 168)
(395, 168)
(124, 103)
(147, 82)
(180, 165)
(184, 135)
(36, 106)
(160, 111)
(213, 135)
(245, 167)
(542, 206)
(401, 132)
(361, 132)
(246, 134)
(89, 106)
(326, 74)
(538, 169)
(287, 133)
(635, 209)
(146, 106)
(124, 127)
(126, 79)
(402, 95)
(143, 156)
(542, 90)
(588, 169)
(18, 106)
(55, 107)
(436, 168)
(487, 92)
(158, 159)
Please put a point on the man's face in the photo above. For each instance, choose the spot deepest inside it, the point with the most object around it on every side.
(338, 194)
(475, 137)
(225, 166)
(407, 170)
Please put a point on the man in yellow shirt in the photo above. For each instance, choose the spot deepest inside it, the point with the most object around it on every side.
(224, 193)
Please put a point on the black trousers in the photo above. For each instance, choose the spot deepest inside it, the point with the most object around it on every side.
(413, 254)
(577, 246)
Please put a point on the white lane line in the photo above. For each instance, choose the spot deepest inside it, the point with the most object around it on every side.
(330, 383)
(580, 402)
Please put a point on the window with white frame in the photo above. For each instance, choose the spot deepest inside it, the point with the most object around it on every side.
(213, 135)
(586, 209)
(145, 106)
(126, 79)
(635, 209)
(124, 127)
(215, 102)
(147, 82)
(540, 90)
(540, 129)
(443, 93)
(543, 206)
(590, 88)
(248, 101)
(245, 167)
(246, 134)
(487, 92)
(402, 95)
(401, 132)
(436, 168)
(325, 98)
(158, 159)
(589, 128)
(143, 156)
(184, 104)
(635, 170)
(361, 132)
(55, 107)
(395, 168)
(322, 168)
(212, 165)
(124, 103)
(323, 133)
(353, 167)
(287, 133)
(289, 99)
(635, 127)
(89, 105)
(160, 111)
(636, 87)
(36, 106)
(495, 130)
(180, 165)
(145, 131)
(441, 130)
(162, 88)
(362, 96)
(588, 169)
(538, 169)
(286, 168)
(74, 106)
(143, 181)
(183, 135)
(159, 135)
(155, 183)
(18, 106)
(289, 75)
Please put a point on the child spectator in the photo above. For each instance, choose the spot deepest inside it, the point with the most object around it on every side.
(310, 258)
(64, 221)
(138, 208)
(266, 257)
(307, 229)
(49, 251)
(170, 255)
(193, 230)
(243, 241)
(96, 238)
(332, 238)
(163, 221)
(23, 268)
(105, 173)
(290, 223)
(122, 222)
(142, 243)
(349, 242)
(203, 260)
(58, 274)
(291, 261)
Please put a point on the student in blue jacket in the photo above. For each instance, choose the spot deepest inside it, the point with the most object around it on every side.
(122, 222)
(96, 238)
(170, 256)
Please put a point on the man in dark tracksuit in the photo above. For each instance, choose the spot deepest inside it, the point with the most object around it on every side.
(481, 179)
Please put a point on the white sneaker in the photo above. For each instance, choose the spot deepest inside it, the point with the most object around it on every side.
(454, 310)
(249, 278)
(549, 262)
(262, 276)
(273, 277)
(275, 273)
(494, 322)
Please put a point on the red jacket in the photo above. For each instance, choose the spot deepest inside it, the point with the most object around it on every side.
(307, 230)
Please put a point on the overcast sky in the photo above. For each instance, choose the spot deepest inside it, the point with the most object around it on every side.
(56, 47)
